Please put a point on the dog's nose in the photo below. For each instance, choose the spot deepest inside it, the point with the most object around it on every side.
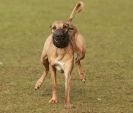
(59, 33)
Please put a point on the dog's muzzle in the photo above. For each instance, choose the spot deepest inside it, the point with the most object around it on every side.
(60, 38)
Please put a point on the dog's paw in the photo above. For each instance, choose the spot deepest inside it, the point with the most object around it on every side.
(53, 101)
(83, 80)
(38, 84)
(68, 106)
(82, 77)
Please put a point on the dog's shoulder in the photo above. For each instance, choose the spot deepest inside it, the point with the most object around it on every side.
(48, 40)
(47, 43)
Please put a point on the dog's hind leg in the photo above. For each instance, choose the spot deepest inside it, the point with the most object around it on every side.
(80, 71)
(80, 50)
(42, 78)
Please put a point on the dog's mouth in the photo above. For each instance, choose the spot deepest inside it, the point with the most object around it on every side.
(60, 38)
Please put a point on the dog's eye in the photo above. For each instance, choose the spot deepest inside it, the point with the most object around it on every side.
(54, 27)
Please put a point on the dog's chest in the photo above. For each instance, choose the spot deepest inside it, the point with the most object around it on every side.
(59, 65)
(56, 58)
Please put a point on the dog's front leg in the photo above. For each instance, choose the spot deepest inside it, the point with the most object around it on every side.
(41, 80)
(54, 85)
(68, 83)
(45, 73)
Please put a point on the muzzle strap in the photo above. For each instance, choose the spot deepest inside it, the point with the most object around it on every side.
(60, 38)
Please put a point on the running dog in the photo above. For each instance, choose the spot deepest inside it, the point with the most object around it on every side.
(58, 54)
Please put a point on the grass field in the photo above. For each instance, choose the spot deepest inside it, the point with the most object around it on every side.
(107, 26)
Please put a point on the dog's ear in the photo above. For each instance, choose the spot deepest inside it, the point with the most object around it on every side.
(52, 27)
(68, 26)
(65, 26)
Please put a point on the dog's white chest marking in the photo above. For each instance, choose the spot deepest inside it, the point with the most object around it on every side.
(60, 66)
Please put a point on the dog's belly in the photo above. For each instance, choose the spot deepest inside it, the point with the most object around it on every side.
(59, 65)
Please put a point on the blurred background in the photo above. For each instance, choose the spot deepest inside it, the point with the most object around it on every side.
(107, 26)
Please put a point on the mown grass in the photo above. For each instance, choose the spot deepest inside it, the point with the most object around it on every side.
(107, 26)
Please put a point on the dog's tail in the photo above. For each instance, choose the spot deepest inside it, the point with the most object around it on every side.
(78, 8)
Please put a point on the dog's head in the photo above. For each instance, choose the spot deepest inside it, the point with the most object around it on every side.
(60, 32)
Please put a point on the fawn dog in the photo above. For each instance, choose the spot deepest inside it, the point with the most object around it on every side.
(58, 54)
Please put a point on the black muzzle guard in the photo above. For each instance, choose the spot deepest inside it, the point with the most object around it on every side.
(60, 38)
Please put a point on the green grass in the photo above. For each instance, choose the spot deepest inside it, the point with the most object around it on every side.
(107, 26)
